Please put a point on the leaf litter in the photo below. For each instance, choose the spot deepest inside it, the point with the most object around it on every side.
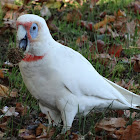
(116, 25)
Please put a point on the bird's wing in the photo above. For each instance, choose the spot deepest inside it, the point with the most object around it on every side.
(79, 76)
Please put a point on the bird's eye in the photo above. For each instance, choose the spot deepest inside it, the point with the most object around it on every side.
(34, 30)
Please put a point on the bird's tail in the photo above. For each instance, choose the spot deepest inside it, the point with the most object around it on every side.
(131, 97)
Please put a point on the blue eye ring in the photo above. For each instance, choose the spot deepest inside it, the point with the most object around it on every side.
(34, 30)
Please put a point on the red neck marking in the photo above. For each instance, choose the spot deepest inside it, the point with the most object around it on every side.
(32, 58)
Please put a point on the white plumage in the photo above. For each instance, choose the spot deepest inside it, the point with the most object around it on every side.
(63, 81)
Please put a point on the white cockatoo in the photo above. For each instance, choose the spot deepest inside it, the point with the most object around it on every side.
(61, 79)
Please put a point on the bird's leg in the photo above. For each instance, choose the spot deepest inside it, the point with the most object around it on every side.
(67, 117)
(53, 116)
(68, 108)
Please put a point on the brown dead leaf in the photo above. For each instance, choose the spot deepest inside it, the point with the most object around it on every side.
(110, 124)
(119, 13)
(137, 66)
(26, 134)
(136, 60)
(9, 15)
(3, 126)
(86, 24)
(41, 129)
(106, 20)
(72, 16)
(101, 47)
(98, 46)
(114, 34)
(102, 30)
(11, 6)
(104, 58)
(22, 110)
(5, 92)
(81, 40)
(131, 27)
(2, 134)
(129, 114)
(132, 132)
(115, 50)
(51, 132)
(2, 71)
(137, 7)
(129, 86)
(103, 14)
(4, 123)
(138, 43)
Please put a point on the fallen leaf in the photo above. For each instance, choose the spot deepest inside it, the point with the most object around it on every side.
(132, 132)
(104, 58)
(106, 20)
(22, 110)
(110, 124)
(81, 40)
(11, 6)
(137, 66)
(72, 16)
(86, 24)
(138, 43)
(41, 129)
(3, 91)
(2, 134)
(2, 71)
(103, 14)
(136, 60)
(119, 13)
(3, 126)
(113, 33)
(115, 50)
(129, 114)
(137, 7)
(131, 27)
(99, 46)
(129, 86)
(9, 111)
(26, 134)
(51, 132)
(54, 4)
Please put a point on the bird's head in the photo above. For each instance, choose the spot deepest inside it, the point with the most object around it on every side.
(32, 34)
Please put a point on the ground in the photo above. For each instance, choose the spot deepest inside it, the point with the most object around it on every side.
(107, 34)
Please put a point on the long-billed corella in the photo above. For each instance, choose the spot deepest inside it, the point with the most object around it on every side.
(64, 82)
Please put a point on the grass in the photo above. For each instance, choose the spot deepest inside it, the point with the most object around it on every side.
(69, 32)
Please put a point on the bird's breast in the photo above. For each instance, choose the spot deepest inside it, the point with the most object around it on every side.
(43, 82)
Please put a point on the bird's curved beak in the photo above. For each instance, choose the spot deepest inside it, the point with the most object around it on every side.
(23, 43)
(22, 38)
